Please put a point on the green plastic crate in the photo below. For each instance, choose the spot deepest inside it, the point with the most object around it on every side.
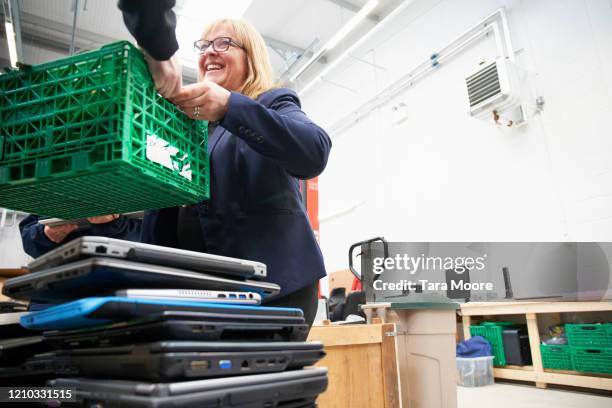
(556, 356)
(592, 360)
(589, 335)
(89, 135)
(494, 333)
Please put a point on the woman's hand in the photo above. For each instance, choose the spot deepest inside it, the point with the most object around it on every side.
(59, 233)
(166, 75)
(102, 219)
(204, 100)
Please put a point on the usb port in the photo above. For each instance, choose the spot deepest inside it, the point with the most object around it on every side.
(199, 365)
(225, 364)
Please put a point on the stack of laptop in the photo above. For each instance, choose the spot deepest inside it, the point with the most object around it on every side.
(142, 325)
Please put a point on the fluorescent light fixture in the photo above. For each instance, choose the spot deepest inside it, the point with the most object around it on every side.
(12, 46)
(339, 36)
(193, 16)
(358, 43)
(352, 23)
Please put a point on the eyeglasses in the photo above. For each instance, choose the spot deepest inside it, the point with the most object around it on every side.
(219, 44)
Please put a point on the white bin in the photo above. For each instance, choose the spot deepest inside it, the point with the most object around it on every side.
(475, 371)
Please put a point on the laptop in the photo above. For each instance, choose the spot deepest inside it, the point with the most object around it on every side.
(14, 351)
(95, 311)
(211, 296)
(183, 325)
(288, 389)
(88, 246)
(95, 276)
(12, 307)
(33, 372)
(11, 328)
(182, 360)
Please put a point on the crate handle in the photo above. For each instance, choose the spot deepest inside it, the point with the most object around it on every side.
(588, 328)
(593, 351)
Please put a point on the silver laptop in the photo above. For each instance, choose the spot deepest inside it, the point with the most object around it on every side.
(95, 276)
(89, 246)
(208, 296)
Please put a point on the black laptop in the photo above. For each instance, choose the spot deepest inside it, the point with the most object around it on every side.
(34, 372)
(184, 325)
(93, 276)
(11, 328)
(182, 360)
(14, 351)
(288, 389)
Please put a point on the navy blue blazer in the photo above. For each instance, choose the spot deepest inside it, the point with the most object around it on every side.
(257, 154)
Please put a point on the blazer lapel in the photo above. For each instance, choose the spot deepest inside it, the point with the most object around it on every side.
(216, 136)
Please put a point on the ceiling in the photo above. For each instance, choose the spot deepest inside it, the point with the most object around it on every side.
(293, 29)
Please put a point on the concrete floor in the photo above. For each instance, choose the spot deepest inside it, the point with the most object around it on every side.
(523, 396)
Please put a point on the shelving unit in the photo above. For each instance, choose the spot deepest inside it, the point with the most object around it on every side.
(537, 373)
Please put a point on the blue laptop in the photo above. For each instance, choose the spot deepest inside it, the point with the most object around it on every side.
(96, 311)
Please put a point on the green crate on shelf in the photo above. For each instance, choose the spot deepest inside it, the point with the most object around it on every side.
(498, 324)
(556, 356)
(589, 335)
(89, 135)
(494, 333)
(592, 360)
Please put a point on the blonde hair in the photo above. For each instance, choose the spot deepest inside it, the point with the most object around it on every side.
(259, 74)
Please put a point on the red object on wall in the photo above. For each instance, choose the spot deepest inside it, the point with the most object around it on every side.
(312, 204)
(310, 195)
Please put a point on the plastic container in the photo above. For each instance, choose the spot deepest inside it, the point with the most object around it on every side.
(592, 360)
(89, 135)
(589, 335)
(475, 371)
(556, 356)
(494, 333)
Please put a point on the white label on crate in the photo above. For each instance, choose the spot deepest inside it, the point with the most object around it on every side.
(162, 152)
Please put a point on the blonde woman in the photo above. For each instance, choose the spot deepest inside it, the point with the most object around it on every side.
(260, 145)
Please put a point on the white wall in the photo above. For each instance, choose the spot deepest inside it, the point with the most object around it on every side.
(443, 176)
(12, 254)
(31, 55)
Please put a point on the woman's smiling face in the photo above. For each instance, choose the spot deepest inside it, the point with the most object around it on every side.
(227, 69)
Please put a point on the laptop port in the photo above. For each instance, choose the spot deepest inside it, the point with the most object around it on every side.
(245, 365)
(100, 249)
(242, 296)
(232, 296)
(221, 295)
(199, 365)
(225, 364)
(260, 363)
